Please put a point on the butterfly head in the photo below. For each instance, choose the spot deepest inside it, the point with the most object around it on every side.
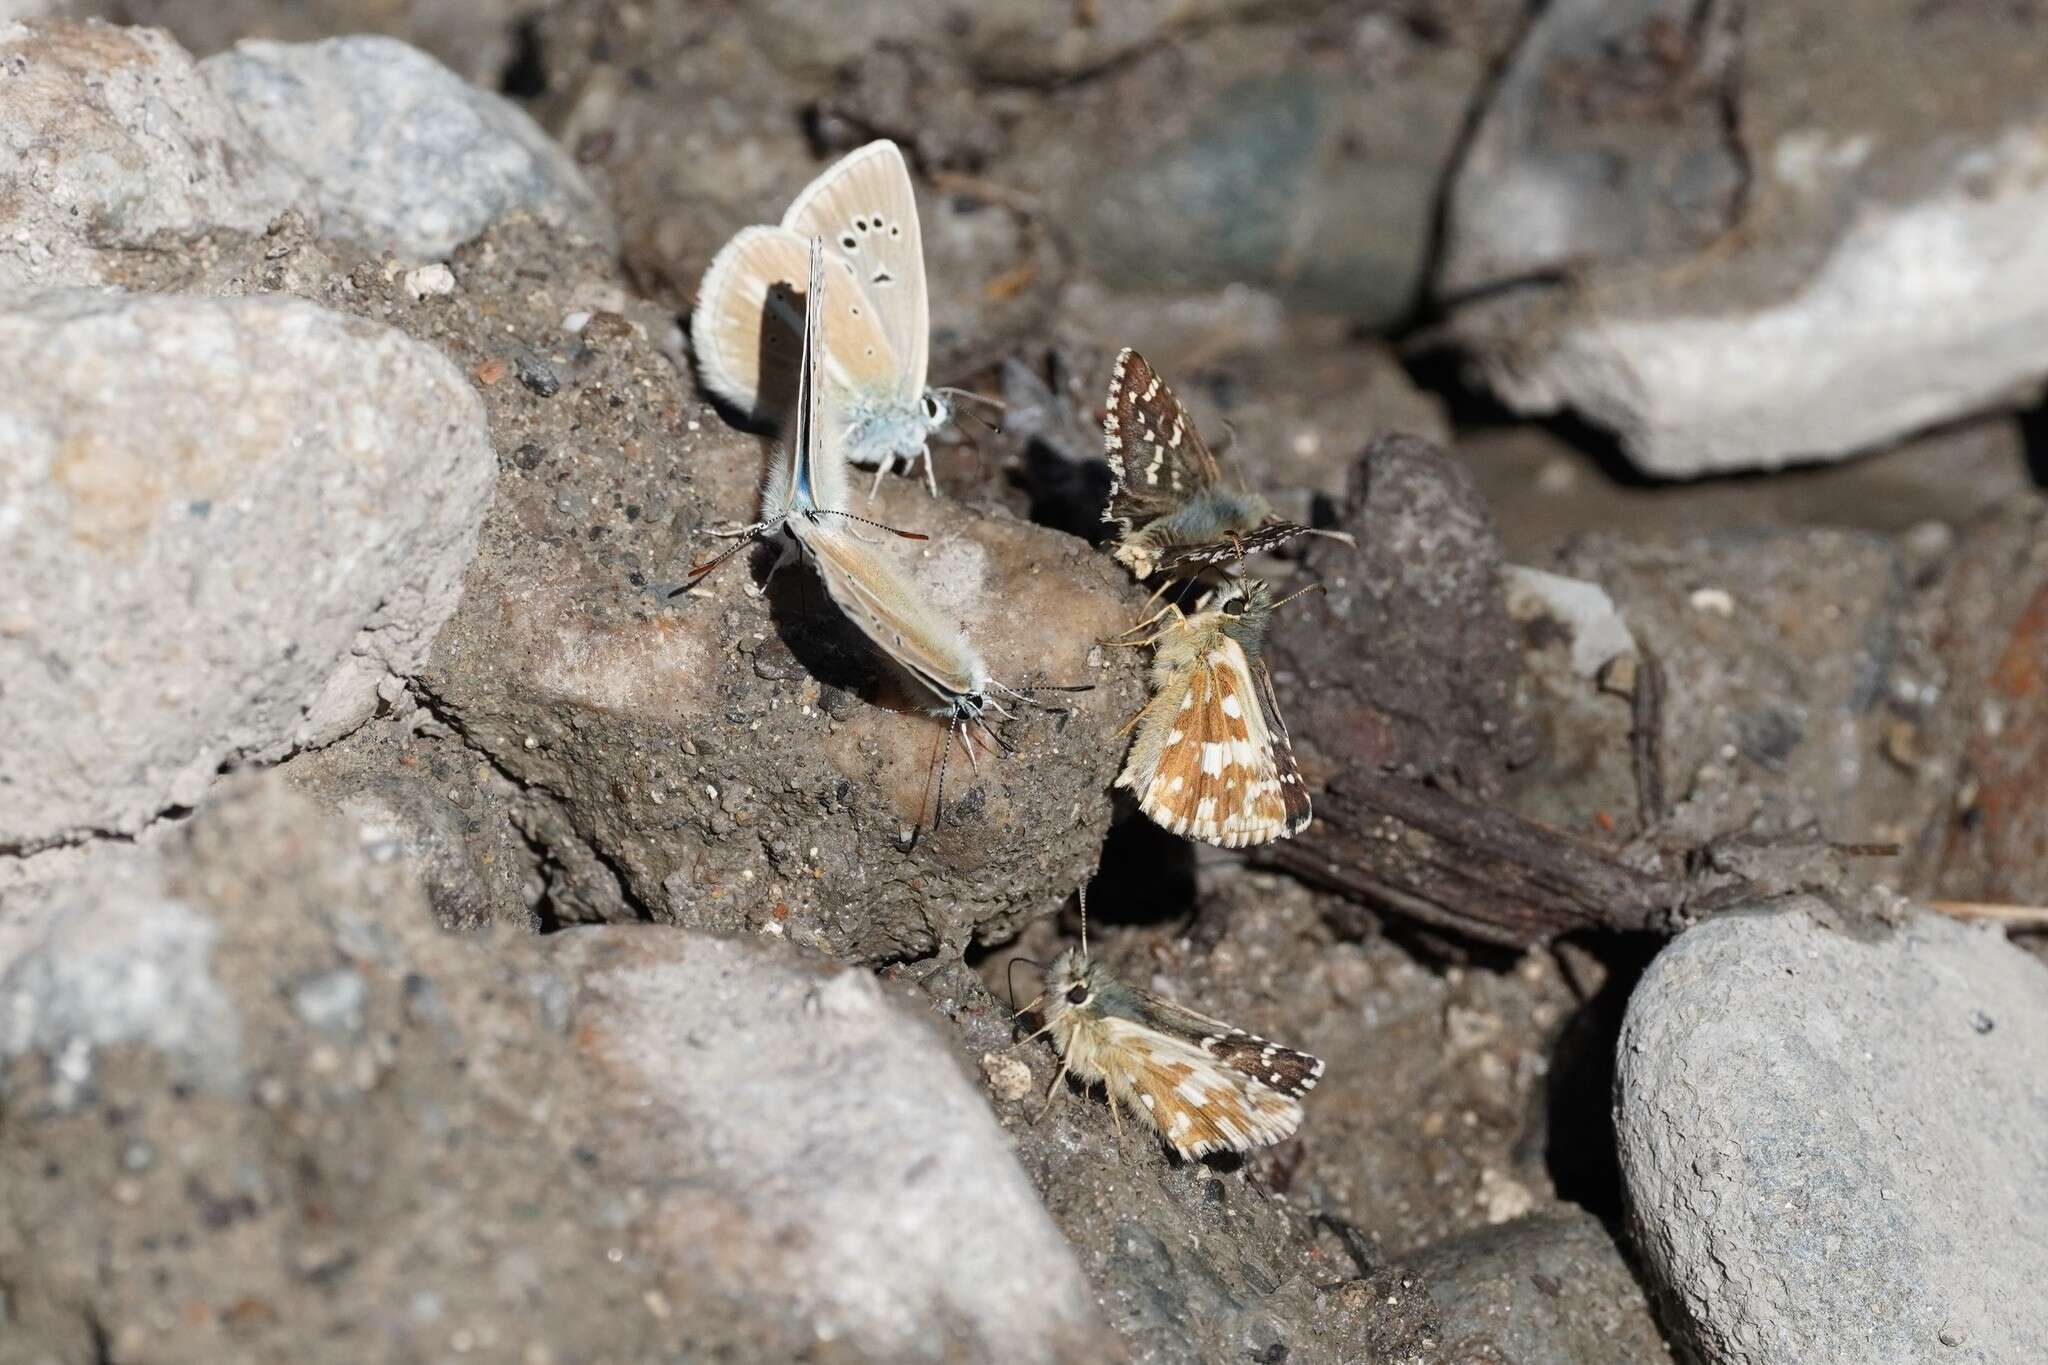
(1074, 983)
(1246, 608)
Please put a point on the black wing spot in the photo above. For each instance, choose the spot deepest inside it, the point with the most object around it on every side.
(848, 242)
(895, 229)
(883, 277)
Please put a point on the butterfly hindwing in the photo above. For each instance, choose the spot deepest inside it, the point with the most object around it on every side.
(1204, 764)
(1199, 1105)
(746, 330)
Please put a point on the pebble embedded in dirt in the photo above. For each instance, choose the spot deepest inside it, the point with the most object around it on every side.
(1831, 1139)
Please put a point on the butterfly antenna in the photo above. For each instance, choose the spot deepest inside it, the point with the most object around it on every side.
(1083, 894)
(1313, 587)
(878, 525)
(747, 537)
(1010, 981)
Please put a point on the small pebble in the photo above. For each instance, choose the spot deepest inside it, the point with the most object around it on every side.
(537, 375)
(1008, 1077)
(430, 281)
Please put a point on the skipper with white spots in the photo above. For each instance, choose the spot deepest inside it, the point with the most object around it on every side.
(1212, 759)
(1166, 495)
(1202, 1084)
(876, 343)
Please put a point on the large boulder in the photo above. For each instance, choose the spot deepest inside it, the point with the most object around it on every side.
(233, 526)
(1835, 1142)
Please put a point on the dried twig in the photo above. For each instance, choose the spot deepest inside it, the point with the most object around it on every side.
(2011, 916)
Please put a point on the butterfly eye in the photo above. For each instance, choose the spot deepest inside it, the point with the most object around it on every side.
(931, 408)
(1077, 995)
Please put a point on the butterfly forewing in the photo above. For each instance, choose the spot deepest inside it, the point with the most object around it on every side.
(1285, 1069)
(866, 211)
(1157, 458)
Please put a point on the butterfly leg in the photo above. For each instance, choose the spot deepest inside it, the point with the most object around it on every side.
(1052, 1093)
(931, 480)
(881, 469)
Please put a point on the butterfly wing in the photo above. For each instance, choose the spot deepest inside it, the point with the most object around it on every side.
(866, 211)
(1157, 458)
(885, 604)
(747, 327)
(1207, 763)
(1199, 1104)
(1291, 1072)
(1185, 561)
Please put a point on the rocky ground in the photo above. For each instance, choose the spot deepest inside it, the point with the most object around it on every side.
(428, 931)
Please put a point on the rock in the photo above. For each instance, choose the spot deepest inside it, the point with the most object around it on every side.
(1865, 276)
(1832, 1143)
(1548, 1289)
(413, 794)
(235, 526)
(403, 154)
(479, 39)
(1276, 172)
(1407, 662)
(719, 760)
(892, 1212)
(260, 1108)
(115, 141)
(1603, 139)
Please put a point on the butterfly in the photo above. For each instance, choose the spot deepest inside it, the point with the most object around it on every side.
(876, 336)
(1202, 1084)
(1166, 496)
(1212, 760)
(800, 502)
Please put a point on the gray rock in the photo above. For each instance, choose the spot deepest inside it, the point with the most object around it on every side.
(620, 1144)
(1548, 1289)
(1563, 170)
(1835, 1145)
(233, 525)
(1873, 267)
(94, 963)
(890, 1204)
(1761, 727)
(113, 140)
(404, 155)
(475, 37)
(726, 761)
(1265, 166)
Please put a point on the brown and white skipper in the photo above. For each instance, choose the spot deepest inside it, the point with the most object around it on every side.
(1166, 495)
(1202, 1084)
